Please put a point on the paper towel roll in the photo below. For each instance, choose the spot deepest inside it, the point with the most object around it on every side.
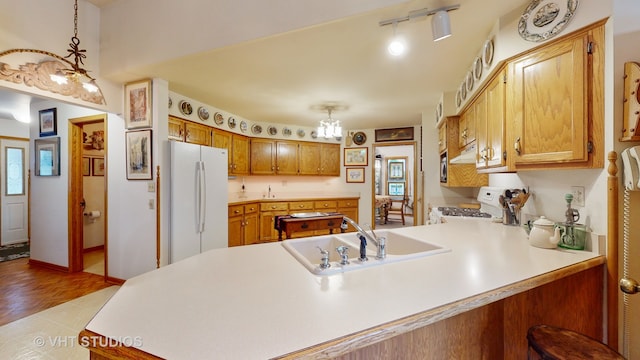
(94, 214)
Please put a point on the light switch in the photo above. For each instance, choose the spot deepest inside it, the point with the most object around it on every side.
(151, 186)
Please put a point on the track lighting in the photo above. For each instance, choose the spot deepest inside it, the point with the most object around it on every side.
(440, 23)
(397, 45)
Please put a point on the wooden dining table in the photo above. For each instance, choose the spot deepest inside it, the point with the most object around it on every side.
(382, 204)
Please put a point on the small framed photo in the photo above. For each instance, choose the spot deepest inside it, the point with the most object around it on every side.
(86, 166)
(137, 104)
(48, 122)
(356, 156)
(48, 157)
(98, 166)
(397, 134)
(138, 155)
(355, 175)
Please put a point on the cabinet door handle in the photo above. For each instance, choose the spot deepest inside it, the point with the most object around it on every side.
(301, 206)
(236, 212)
(516, 145)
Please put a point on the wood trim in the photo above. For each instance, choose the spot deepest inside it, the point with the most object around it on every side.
(94, 248)
(115, 281)
(102, 349)
(158, 216)
(612, 252)
(47, 265)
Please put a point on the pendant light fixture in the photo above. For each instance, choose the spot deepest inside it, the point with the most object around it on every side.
(329, 128)
(61, 76)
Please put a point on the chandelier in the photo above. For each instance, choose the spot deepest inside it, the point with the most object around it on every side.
(62, 75)
(329, 128)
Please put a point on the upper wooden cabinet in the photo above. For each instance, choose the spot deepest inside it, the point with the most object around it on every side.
(319, 159)
(237, 149)
(442, 137)
(467, 128)
(555, 102)
(458, 175)
(489, 109)
(269, 157)
(187, 131)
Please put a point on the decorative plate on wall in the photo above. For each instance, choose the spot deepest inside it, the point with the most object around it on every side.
(272, 130)
(232, 122)
(243, 126)
(469, 82)
(544, 19)
(463, 91)
(314, 134)
(218, 118)
(458, 99)
(170, 103)
(185, 108)
(359, 138)
(300, 133)
(477, 68)
(286, 131)
(203, 113)
(256, 129)
(487, 53)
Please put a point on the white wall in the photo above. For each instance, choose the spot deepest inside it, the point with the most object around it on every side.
(49, 195)
(13, 128)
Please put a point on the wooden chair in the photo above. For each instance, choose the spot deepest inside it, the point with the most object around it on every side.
(397, 206)
(550, 343)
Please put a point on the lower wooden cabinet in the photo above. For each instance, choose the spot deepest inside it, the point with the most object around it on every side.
(254, 223)
(243, 224)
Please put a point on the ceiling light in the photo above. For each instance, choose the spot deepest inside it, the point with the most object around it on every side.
(440, 25)
(65, 77)
(397, 45)
(329, 128)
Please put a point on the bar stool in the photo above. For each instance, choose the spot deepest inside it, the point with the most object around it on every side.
(552, 343)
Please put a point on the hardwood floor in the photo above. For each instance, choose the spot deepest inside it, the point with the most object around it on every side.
(26, 289)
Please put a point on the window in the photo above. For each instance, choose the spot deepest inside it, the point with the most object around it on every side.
(14, 171)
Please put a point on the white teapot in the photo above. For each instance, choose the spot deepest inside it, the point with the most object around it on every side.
(543, 234)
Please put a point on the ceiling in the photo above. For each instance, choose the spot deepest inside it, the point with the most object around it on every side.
(286, 78)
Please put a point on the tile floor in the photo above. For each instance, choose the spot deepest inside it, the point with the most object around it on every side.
(94, 262)
(52, 333)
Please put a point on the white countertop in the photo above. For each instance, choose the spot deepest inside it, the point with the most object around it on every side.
(258, 301)
(248, 196)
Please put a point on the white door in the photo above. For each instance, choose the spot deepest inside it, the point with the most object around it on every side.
(14, 155)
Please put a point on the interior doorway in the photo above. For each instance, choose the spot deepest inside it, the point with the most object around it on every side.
(395, 178)
(88, 196)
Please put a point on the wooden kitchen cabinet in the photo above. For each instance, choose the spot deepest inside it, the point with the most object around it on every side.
(490, 125)
(467, 128)
(319, 159)
(556, 104)
(442, 137)
(243, 224)
(237, 148)
(273, 157)
(187, 131)
(458, 175)
(268, 212)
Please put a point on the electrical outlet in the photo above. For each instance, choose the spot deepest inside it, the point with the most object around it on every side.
(578, 195)
(152, 204)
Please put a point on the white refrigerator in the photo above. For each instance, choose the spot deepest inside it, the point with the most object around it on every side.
(198, 199)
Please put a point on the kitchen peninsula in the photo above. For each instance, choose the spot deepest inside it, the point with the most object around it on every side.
(259, 302)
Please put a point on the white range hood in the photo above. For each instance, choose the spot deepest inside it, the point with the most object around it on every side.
(467, 156)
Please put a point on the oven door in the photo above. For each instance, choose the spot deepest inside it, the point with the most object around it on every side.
(443, 168)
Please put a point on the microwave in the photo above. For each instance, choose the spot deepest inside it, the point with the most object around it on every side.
(443, 168)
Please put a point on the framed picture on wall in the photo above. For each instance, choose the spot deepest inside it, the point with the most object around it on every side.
(98, 166)
(138, 155)
(355, 175)
(356, 156)
(48, 122)
(137, 104)
(86, 166)
(48, 157)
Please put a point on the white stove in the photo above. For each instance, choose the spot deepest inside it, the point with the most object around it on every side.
(490, 209)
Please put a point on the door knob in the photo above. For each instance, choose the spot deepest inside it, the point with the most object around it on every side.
(629, 286)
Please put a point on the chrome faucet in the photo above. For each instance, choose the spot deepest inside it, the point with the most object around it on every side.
(380, 242)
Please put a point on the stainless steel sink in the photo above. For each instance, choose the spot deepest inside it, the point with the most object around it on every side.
(399, 248)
